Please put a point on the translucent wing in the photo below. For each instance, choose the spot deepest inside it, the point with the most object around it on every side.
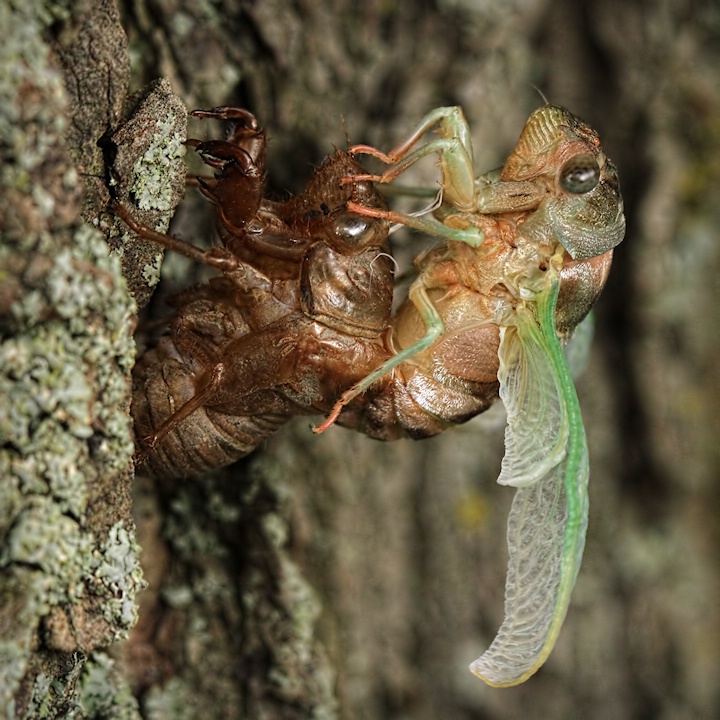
(546, 459)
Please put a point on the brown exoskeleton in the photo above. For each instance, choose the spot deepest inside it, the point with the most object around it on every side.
(295, 318)
(527, 251)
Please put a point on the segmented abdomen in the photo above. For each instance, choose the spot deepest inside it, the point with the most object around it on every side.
(207, 439)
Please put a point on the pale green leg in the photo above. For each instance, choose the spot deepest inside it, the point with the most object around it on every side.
(458, 180)
(408, 191)
(454, 147)
(472, 236)
(434, 329)
(452, 125)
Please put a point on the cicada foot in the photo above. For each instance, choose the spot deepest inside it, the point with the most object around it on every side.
(387, 158)
(350, 179)
(141, 456)
(245, 132)
(331, 419)
(373, 212)
(224, 112)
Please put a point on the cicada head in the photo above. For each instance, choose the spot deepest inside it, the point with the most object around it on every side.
(583, 207)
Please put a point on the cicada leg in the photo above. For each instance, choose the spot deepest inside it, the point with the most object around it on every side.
(454, 147)
(216, 257)
(472, 236)
(434, 328)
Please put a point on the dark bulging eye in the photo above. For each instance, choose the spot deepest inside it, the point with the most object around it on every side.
(580, 174)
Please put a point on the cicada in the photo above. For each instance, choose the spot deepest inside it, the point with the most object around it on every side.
(526, 251)
(301, 317)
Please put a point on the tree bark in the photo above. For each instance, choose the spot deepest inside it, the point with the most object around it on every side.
(334, 576)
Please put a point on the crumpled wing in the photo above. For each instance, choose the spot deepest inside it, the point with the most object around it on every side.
(546, 459)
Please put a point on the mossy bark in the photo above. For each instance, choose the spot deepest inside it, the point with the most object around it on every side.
(69, 559)
(335, 576)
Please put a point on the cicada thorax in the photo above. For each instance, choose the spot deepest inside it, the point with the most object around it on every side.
(311, 244)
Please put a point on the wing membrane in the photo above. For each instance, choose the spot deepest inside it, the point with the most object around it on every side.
(546, 459)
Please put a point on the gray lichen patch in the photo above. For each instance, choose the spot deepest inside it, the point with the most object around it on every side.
(44, 539)
(55, 687)
(149, 176)
(174, 700)
(236, 601)
(68, 561)
(151, 189)
(65, 431)
(103, 693)
(64, 365)
(117, 576)
(151, 270)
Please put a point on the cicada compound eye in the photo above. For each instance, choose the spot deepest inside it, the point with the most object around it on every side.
(580, 174)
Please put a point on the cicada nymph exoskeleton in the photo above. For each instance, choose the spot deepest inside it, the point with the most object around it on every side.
(296, 316)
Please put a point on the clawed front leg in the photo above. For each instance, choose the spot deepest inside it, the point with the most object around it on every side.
(245, 132)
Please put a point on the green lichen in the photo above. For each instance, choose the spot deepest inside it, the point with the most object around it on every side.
(45, 539)
(172, 701)
(151, 188)
(66, 351)
(57, 689)
(186, 530)
(85, 689)
(101, 694)
(41, 698)
(151, 271)
(66, 377)
(14, 666)
(150, 176)
(117, 570)
(73, 564)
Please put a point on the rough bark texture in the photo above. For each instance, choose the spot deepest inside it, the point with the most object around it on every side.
(335, 577)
